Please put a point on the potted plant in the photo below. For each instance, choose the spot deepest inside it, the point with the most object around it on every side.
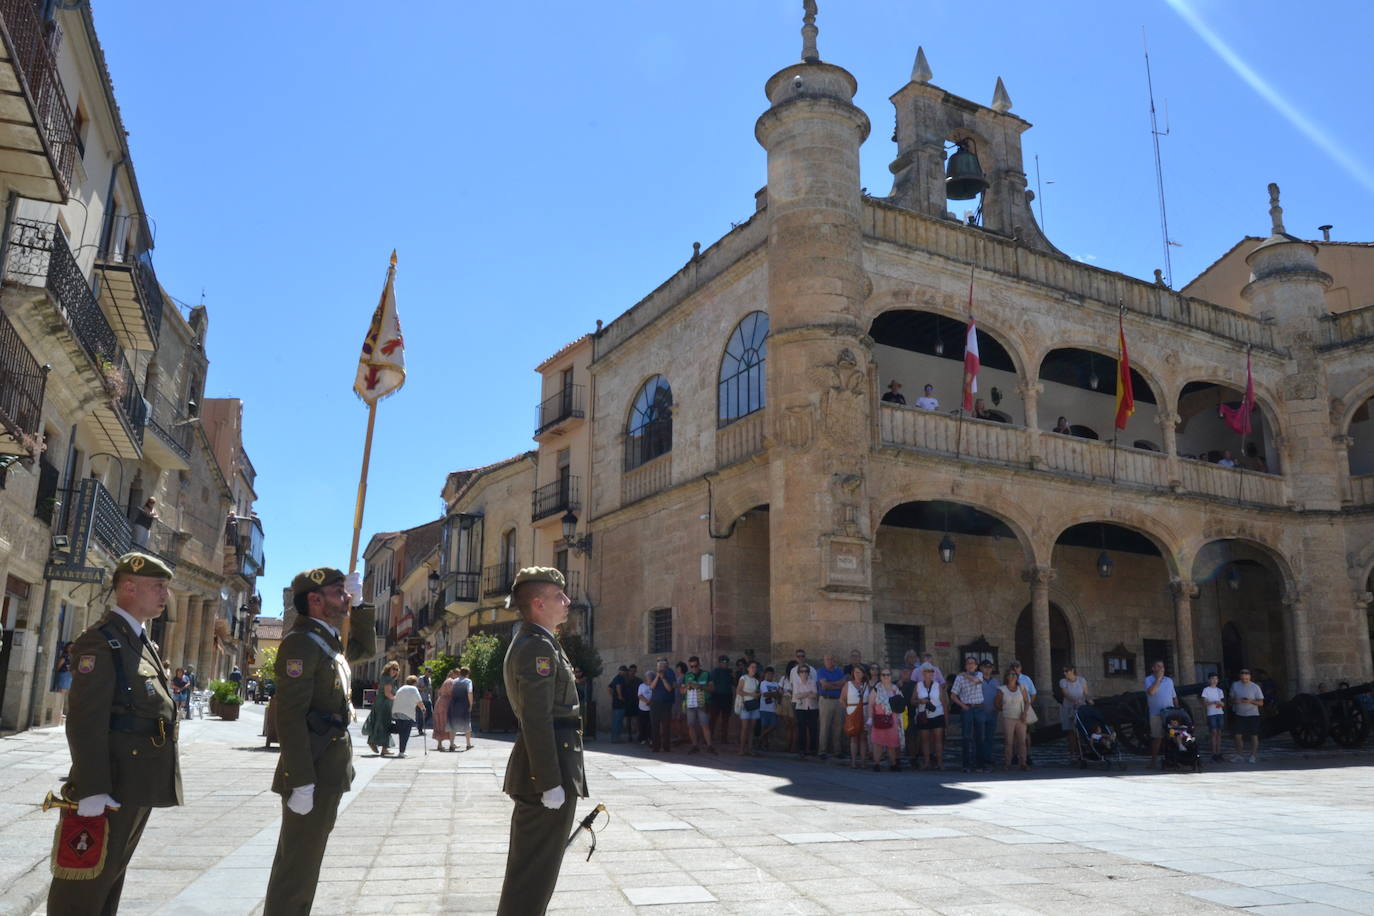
(483, 655)
(113, 380)
(225, 700)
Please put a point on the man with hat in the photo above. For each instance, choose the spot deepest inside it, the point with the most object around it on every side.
(122, 732)
(544, 775)
(313, 714)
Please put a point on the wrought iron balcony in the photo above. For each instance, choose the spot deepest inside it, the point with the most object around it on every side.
(22, 382)
(556, 497)
(130, 294)
(39, 256)
(460, 587)
(90, 514)
(31, 60)
(243, 554)
(172, 430)
(497, 580)
(567, 404)
(573, 589)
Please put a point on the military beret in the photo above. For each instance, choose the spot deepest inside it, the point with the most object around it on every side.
(538, 574)
(306, 582)
(136, 563)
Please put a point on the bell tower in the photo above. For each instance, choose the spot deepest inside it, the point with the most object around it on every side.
(951, 148)
(820, 388)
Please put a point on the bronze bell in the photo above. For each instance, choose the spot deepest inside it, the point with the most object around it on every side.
(964, 176)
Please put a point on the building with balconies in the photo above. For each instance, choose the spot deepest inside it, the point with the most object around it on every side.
(101, 376)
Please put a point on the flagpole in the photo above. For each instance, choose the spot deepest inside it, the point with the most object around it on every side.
(362, 488)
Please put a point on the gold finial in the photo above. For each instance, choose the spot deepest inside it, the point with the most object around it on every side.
(393, 257)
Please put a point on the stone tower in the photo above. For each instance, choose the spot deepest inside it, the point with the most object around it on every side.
(820, 387)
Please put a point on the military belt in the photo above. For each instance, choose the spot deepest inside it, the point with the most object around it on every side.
(322, 724)
(144, 728)
(567, 722)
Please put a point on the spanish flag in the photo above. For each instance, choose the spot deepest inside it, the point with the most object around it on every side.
(1125, 395)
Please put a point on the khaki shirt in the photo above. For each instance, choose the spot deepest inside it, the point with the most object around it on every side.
(539, 683)
(141, 770)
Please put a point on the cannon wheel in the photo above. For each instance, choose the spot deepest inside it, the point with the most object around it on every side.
(1349, 723)
(1133, 727)
(1310, 721)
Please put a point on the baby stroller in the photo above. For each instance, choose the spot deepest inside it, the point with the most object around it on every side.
(1097, 741)
(1178, 723)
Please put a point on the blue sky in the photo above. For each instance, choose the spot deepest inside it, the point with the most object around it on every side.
(541, 165)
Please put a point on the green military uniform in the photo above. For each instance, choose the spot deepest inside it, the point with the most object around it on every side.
(122, 732)
(313, 713)
(547, 754)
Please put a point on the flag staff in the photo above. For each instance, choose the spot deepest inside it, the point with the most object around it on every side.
(970, 384)
(362, 487)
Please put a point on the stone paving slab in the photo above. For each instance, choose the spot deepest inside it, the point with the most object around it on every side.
(427, 834)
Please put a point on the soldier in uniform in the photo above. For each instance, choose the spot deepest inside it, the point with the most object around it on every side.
(544, 776)
(122, 730)
(313, 715)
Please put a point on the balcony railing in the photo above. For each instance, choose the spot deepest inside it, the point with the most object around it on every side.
(647, 479)
(243, 547)
(39, 256)
(566, 404)
(461, 586)
(167, 420)
(1070, 456)
(496, 580)
(91, 514)
(559, 496)
(26, 39)
(740, 440)
(1349, 327)
(22, 381)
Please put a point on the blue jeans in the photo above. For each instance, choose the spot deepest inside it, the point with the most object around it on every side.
(617, 723)
(985, 721)
(968, 736)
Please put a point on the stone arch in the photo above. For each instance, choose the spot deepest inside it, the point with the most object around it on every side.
(1361, 565)
(1343, 409)
(1092, 343)
(923, 491)
(1191, 547)
(1149, 527)
(1264, 398)
(951, 306)
(734, 498)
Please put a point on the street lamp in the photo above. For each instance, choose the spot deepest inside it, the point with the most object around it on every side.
(1233, 578)
(578, 545)
(1104, 559)
(946, 547)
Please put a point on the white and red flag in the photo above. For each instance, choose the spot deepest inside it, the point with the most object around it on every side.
(382, 366)
(971, 363)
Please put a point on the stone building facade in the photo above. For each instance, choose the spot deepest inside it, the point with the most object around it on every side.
(101, 374)
(744, 485)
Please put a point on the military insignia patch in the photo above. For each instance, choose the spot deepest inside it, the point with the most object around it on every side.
(317, 576)
(543, 666)
(136, 563)
(86, 664)
(294, 667)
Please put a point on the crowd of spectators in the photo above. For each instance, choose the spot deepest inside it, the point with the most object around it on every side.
(879, 716)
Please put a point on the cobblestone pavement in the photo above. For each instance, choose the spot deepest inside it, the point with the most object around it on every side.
(427, 834)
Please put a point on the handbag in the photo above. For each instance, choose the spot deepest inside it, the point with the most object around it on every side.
(1031, 717)
(882, 720)
(854, 723)
(751, 705)
(898, 703)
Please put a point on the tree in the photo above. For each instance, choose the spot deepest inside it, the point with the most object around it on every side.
(438, 667)
(582, 654)
(267, 664)
(483, 655)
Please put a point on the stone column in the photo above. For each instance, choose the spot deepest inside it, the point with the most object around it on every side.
(1040, 578)
(1299, 640)
(206, 656)
(176, 630)
(1343, 443)
(1168, 432)
(1030, 397)
(1184, 592)
(191, 644)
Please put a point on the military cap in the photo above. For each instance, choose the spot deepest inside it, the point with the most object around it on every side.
(306, 582)
(137, 563)
(538, 574)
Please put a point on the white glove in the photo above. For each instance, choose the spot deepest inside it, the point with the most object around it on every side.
(95, 805)
(302, 799)
(353, 584)
(553, 798)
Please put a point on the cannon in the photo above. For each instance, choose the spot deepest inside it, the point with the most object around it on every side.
(1348, 711)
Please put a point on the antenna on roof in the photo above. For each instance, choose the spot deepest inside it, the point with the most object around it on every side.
(1155, 134)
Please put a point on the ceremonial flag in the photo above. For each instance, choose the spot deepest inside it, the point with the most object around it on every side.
(1125, 392)
(382, 366)
(971, 362)
(1238, 418)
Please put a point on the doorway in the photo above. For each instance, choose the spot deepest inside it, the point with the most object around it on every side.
(1061, 646)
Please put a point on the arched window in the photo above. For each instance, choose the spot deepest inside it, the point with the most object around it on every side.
(741, 369)
(649, 432)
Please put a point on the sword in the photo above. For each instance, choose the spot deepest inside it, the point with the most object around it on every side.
(586, 824)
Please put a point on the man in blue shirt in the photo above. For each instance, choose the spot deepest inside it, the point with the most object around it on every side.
(987, 715)
(829, 679)
(1159, 695)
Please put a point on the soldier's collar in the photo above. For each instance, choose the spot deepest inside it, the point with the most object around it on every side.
(536, 628)
(135, 625)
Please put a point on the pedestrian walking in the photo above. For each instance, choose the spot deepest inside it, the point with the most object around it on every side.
(407, 710)
(377, 728)
(122, 733)
(544, 775)
(313, 716)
